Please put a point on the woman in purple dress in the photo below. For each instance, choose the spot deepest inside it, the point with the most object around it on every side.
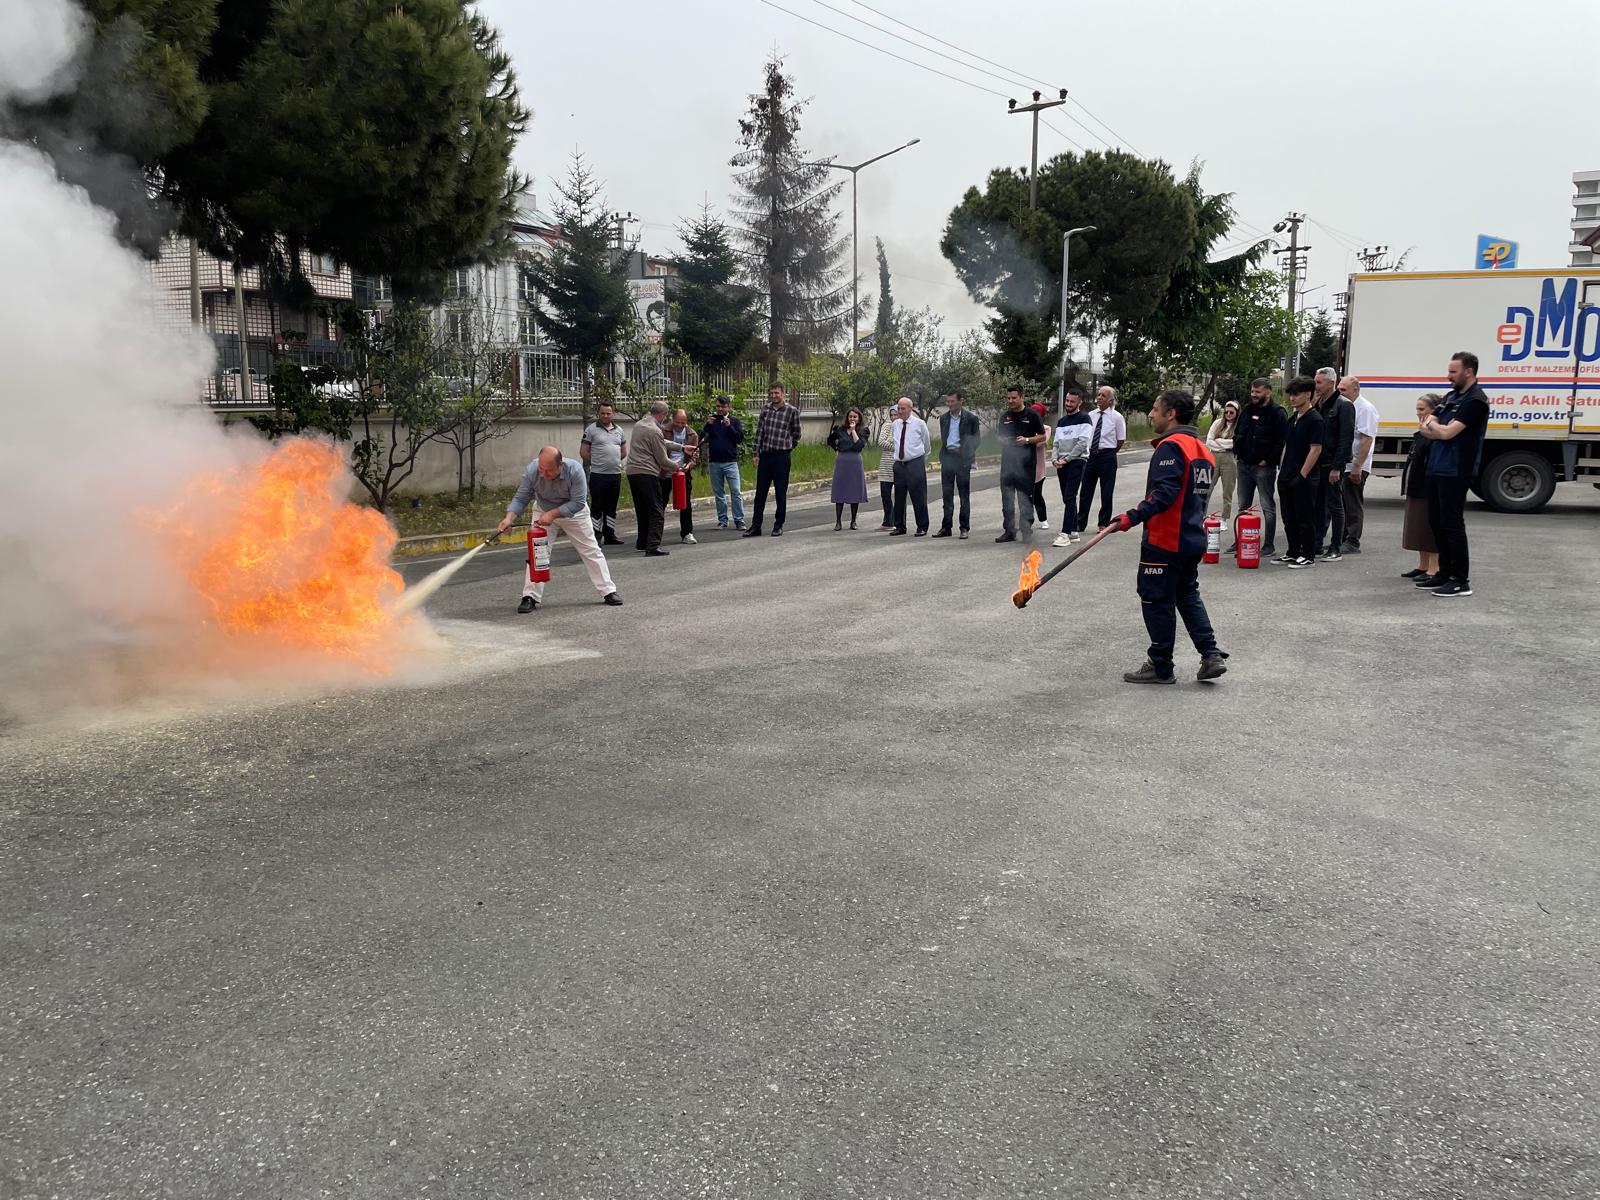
(849, 476)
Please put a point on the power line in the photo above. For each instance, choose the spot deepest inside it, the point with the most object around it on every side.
(1060, 134)
(952, 45)
(1009, 71)
(925, 49)
(881, 50)
(1342, 241)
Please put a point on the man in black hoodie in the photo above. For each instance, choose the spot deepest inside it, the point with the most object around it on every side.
(1339, 422)
(1258, 445)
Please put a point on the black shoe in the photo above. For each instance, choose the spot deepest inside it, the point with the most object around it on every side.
(1456, 587)
(1429, 581)
(897, 533)
(852, 524)
(1211, 666)
(528, 605)
(924, 533)
(1414, 573)
(752, 533)
(1233, 549)
(658, 553)
(885, 527)
(838, 526)
(1351, 548)
(612, 599)
(777, 531)
(942, 533)
(963, 535)
(1148, 674)
(612, 541)
(1006, 537)
(738, 524)
(1267, 552)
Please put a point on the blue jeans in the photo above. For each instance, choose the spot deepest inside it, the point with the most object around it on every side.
(726, 474)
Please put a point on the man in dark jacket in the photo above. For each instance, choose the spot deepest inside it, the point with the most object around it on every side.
(1456, 430)
(958, 451)
(1339, 427)
(1258, 445)
(1173, 513)
(721, 438)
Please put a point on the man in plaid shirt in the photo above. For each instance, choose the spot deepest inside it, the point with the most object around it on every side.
(777, 434)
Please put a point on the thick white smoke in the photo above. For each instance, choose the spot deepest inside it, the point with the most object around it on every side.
(102, 434)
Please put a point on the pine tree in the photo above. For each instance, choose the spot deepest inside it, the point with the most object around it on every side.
(885, 325)
(713, 317)
(583, 302)
(787, 227)
(1321, 346)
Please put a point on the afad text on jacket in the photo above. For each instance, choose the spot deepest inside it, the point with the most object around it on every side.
(1173, 511)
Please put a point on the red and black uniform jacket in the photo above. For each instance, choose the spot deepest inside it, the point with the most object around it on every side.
(1174, 509)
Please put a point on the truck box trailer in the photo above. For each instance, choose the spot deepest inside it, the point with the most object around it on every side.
(1537, 338)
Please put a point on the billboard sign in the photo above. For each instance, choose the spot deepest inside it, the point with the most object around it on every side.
(1495, 254)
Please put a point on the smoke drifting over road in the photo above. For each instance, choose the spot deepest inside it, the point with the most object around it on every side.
(120, 496)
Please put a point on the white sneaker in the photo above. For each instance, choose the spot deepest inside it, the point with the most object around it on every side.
(1075, 535)
(688, 539)
(1042, 525)
(1063, 540)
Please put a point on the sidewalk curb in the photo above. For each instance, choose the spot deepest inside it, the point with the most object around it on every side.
(467, 539)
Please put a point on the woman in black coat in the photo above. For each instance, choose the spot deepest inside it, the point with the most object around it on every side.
(1415, 532)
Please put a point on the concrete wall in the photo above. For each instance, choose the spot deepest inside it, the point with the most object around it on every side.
(501, 461)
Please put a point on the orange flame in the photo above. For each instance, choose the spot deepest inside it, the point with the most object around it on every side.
(1028, 580)
(281, 559)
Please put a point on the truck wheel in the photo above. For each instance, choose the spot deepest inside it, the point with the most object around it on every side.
(1518, 481)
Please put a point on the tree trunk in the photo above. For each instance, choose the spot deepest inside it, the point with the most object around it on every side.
(472, 461)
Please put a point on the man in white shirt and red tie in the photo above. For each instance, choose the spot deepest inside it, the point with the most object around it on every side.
(911, 441)
(1109, 432)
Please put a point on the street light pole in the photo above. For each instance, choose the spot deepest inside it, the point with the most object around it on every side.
(1066, 246)
(855, 240)
(1035, 108)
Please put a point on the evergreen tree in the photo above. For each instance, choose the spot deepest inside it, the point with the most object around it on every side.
(713, 316)
(787, 228)
(583, 301)
(885, 324)
(1321, 345)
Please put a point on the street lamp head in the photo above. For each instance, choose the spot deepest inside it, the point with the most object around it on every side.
(1011, 104)
(913, 141)
(1036, 96)
(1063, 93)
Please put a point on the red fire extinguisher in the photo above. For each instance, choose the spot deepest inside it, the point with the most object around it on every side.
(538, 553)
(680, 492)
(1213, 528)
(1247, 539)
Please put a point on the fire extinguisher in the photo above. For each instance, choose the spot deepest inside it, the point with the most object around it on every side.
(680, 492)
(538, 553)
(1247, 538)
(1213, 528)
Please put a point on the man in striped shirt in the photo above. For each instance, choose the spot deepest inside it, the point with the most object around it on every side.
(777, 434)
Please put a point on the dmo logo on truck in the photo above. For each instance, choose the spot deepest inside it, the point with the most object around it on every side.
(1552, 332)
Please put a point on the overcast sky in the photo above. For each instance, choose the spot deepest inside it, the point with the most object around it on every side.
(1408, 123)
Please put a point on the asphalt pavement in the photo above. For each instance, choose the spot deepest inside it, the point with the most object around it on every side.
(820, 870)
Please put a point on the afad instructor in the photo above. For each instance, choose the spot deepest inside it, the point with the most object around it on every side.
(1173, 515)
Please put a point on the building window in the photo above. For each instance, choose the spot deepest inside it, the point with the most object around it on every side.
(459, 284)
(528, 326)
(458, 327)
(324, 264)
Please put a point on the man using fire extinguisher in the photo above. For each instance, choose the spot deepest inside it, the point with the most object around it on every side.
(561, 498)
(1173, 513)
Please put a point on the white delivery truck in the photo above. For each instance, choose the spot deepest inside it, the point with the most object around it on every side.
(1537, 338)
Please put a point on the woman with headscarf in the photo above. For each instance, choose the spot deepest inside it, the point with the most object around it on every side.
(1220, 442)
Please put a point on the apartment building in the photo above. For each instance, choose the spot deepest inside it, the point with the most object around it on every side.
(1585, 218)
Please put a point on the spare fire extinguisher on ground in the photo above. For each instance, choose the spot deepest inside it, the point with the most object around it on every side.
(1247, 539)
(680, 492)
(538, 553)
(1213, 528)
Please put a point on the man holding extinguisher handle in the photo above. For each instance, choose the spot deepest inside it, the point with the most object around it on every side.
(558, 488)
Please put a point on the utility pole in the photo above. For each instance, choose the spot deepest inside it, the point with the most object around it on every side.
(1066, 242)
(1372, 258)
(1035, 108)
(619, 236)
(246, 388)
(1295, 255)
(194, 283)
